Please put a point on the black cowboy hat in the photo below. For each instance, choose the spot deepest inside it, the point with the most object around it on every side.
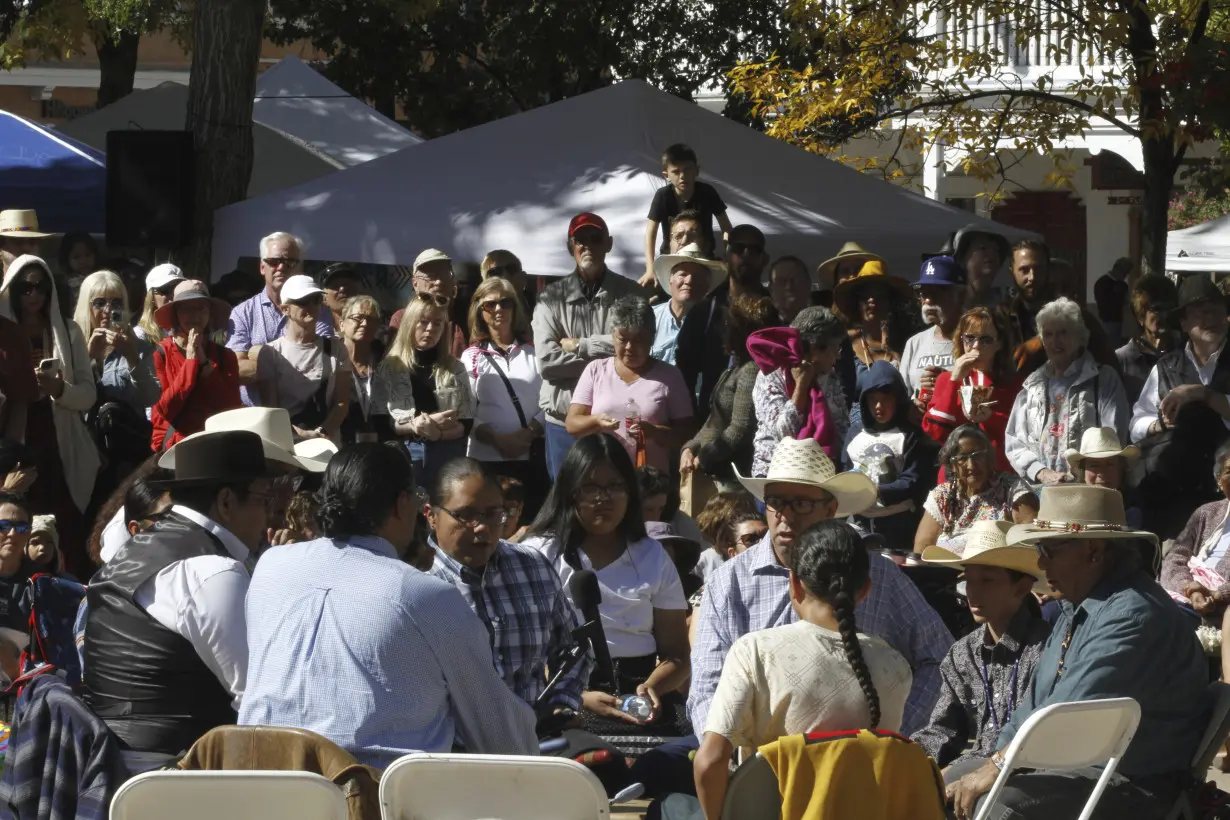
(1197, 287)
(223, 457)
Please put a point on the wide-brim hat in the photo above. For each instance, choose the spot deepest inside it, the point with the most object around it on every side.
(1196, 288)
(1083, 511)
(20, 224)
(850, 252)
(873, 273)
(1100, 442)
(665, 264)
(804, 462)
(273, 426)
(190, 290)
(216, 457)
(986, 545)
(963, 237)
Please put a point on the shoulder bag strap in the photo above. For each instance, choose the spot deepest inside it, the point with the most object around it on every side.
(512, 394)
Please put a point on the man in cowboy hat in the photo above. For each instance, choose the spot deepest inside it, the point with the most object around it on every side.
(1119, 635)
(687, 276)
(751, 591)
(847, 263)
(19, 233)
(166, 645)
(987, 672)
(941, 292)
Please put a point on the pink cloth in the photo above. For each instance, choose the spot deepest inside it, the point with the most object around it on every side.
(661, 394)
(780, 348)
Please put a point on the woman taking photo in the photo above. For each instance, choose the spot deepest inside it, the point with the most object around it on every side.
(360, 326)
(160, 285)
(641, 400)
(592, 520)
(423, 389)
(504, 378)
(65, 455)
(199, 377)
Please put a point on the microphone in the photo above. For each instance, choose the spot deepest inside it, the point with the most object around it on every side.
(586, 596)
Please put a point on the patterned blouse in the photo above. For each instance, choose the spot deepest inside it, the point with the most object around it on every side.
(777, 417)
(956, 513)
(981, 686)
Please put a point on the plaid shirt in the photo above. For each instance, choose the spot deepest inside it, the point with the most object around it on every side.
(752, 592)
(518, 597)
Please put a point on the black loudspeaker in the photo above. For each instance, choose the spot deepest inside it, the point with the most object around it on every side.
(149, 188)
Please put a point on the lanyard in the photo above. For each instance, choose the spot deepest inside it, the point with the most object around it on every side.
(986, 692)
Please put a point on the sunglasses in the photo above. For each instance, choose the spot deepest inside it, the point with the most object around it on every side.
(26, 288)
(438, 301)
(503, 304)
(962, 458)
(970, 340)
(741, 248)
(510, 269)
(312, 301)
(362, 318)
(100, 304)
(276, 261)
(1049, 550)
(19, 527)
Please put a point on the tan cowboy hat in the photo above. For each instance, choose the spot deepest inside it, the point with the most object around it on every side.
(804, 462)
(665, 264)
(20, 223)
(986, 545)
(272, 424)
(1100, 442)
(871, 272)
(1081, 511)
(190, 290)
(850, 252)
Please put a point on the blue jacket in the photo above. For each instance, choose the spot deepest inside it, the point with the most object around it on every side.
(917, 475)
(1128, 639)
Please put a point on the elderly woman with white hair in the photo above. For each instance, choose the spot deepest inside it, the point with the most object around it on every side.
(1059, 401)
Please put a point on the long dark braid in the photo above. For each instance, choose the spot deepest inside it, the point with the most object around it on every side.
(832, 563)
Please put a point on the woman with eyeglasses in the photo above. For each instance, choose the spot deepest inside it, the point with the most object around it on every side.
(975, 490)
(302, 372)
(66, 457)
(592, 520)
(360, 329)
(981, 386)
(504, 378)
(160, 285)
(423, 389)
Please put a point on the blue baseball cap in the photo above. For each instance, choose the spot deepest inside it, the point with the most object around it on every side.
(941, 271)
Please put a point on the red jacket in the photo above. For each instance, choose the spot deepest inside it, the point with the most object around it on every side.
(187, 399)
(944, 414)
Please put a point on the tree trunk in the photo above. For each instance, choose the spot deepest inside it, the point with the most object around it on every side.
(117, 64)
(1160, 166)
(226, 44)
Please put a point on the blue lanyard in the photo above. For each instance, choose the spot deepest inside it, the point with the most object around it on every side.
(986, 692)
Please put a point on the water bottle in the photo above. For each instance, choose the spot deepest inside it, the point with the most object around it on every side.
(632, 415)
(637, 706)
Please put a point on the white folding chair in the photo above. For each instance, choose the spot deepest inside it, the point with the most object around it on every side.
(1214, 736)
(247, 795)
(1070, 736)
(482, 787)
(753, 793)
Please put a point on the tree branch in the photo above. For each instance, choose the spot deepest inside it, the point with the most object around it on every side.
(1031, 93)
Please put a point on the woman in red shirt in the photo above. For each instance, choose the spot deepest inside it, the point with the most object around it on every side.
(198, 377)
(981, 386)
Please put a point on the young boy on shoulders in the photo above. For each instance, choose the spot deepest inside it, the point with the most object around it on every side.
(684, 192)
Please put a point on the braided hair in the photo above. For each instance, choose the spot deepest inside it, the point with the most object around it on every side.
(831, 562)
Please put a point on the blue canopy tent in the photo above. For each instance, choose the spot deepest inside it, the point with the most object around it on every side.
(64, 181)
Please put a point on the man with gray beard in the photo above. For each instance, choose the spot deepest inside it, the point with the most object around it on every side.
(941, 291)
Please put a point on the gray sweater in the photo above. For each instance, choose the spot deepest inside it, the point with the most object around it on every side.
(730, 429)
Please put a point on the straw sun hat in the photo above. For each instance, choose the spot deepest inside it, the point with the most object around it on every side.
(1072, 511)
(986, 545)
(1098, 443)
(804, 462)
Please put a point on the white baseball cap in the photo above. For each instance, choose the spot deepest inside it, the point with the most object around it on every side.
(299, 287)
(162, 275)
(431, 255)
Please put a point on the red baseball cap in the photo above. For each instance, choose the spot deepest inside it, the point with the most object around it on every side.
(586, 220)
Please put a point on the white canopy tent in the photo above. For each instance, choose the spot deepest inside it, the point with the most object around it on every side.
(295, 98)
(514, 183)
(1203, 247)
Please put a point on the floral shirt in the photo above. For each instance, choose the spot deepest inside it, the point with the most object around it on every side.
(777, 417)
(956, 513)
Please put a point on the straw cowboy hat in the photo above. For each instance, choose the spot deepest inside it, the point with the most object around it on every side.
(273, 426)
(1077, 511)
(986, 545)
(804, 462)
(22, 224)
(850, 252)
(191, 290)
(871, 273)
(207, 458)
(665, 264)
(1100, 442)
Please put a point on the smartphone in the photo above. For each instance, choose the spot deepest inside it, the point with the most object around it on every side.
(117, 318)
(48, 365)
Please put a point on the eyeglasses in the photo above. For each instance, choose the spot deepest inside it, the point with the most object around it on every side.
(963, 458)
(438, 301)
(503, 304)
(800, 506)
(100, 304)
(19, 527)
(591, 493)
(742, 248)
(471, 519)
(1048, 549)
(26, 288)
(969, 340)
(428, 277)
(312, 301)
(750, 540)
(508, 269)
(589, 237)
(276, 261)
(362, 318)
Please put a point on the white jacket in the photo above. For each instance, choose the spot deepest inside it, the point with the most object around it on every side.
(1026, 432)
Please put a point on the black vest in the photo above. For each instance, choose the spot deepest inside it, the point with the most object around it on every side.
(146, 682)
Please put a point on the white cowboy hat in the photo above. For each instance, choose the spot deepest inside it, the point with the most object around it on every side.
(804, 462)
(1077, 511)
(20, 224)
(986, 545)
(272, 424)
(664, 264)
(1100, 442)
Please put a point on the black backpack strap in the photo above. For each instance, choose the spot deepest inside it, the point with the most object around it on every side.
(512, 394)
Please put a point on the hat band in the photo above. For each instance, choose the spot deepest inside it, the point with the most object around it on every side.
(16, 228)
(1077, 526)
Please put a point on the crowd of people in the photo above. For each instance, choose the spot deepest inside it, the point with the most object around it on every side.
(292, 510)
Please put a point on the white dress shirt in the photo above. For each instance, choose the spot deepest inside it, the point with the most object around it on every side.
(1147, 406)
(202, 599)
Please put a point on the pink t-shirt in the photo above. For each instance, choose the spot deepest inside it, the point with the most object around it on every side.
(661, 395)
